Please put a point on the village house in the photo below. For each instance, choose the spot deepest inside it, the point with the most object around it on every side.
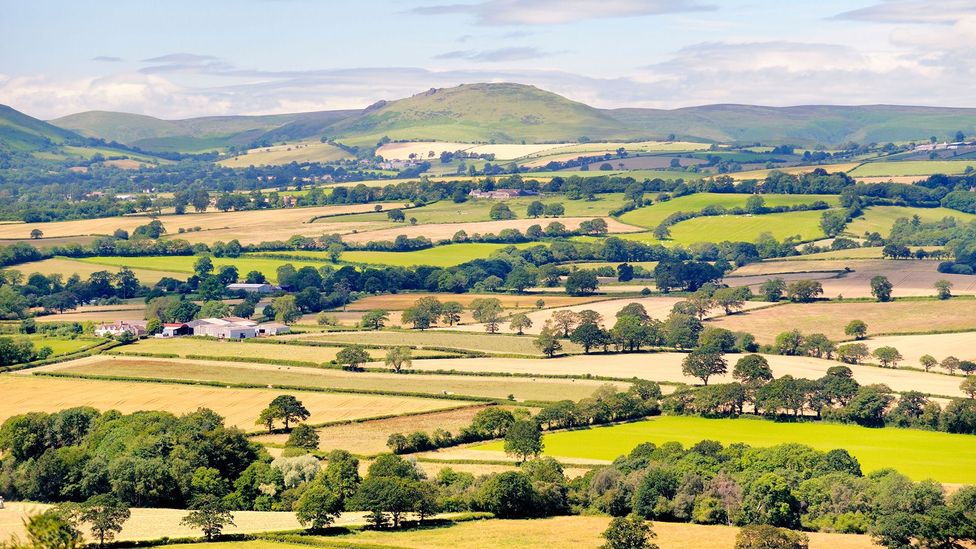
(134, 327)
(263, 288)
(501, 194)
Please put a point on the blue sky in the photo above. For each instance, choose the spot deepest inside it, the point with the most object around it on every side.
(210, 57)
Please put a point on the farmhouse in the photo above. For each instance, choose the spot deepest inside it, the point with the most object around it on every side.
(501, 194)
(134, 327)
(225, 328)
(263, 288)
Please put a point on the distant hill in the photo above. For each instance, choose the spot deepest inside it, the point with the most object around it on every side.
(513, 113)
(22, 133)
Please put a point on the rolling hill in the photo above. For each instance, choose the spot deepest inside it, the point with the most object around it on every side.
(513, 113)
(22, 133)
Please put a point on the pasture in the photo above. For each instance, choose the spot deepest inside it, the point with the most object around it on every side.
(173, 266)
(916, 453)
(497, 387)
(748, 228)
(67, 267)
(398, 302)
(279, 155)
(912, 167)
(652, 216)
(830, 318)
(880, 219)
(439, 256)
(64, 345)
(445, 231)
(239, 407)
(184, 346)
(478, 209)
(795, 170)
(488, 343)
(912, 347)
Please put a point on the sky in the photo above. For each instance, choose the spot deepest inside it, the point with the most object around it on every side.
(182, 58)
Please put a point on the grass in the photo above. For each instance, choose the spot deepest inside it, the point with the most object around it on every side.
(239, 407)
(739, 228)
(67, 267)
(501, 344)
(447, 211)
(184, 346)
(184, 264)
(278, 155)
(916, 453)
(912, 167)
(64, 345)
(652, 216)
(881, 218)
(438, 256)
(398, 302)
(491, 387)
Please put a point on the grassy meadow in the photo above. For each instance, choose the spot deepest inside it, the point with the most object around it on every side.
(652, 216)
(916, 453)
(880, 219)
(241, 350)
(439, 256)
(912, 167)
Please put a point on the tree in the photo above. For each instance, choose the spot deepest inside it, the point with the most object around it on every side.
(768, 500)
(105, 514)
(214, 309)
(581, 282)
(950, 364)
(423, 313)
(588, 335)
(535, 209)
(500, 210)
(375, 319)
(630, 532)
(380, 494)
(520, 322)
(852, 353)
(320, 504)
(523, 439)
(289, 409)
(889, 356)
(451, 312)
(209, 515)
(508, 495)
(881, 288)
(764, 536)
(203, 266)
(487, 311)
(944, 289)
(752, 369)
(857, 329)
(565, 320)
(352, 356)
(285, 309)
(52, 529)
(773, 289)
(303, 436)
(548, 342)
(928, 362)
(833, 222)
(804, 291)
(555, 209)
(36, 233)
(398, 357)
(519, 279)
(703, 365)
(968, 386)
(731, 300)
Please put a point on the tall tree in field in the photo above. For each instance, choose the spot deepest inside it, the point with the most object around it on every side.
(398, 358)
(423, 313)
(520, 322)
(352, 356)
(451, 312)
(943, 289)
(209, 515)
(290, 409)
(950, 364)
(703, 365)
(487, 311)
(375, 319)
(523, 439)
(857, 329)
(565, 320)
(548, 342)
(105, 514)
(630, 532)
(887, 355)
(881, 288)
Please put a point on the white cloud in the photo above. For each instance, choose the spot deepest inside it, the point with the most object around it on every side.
(553, 12)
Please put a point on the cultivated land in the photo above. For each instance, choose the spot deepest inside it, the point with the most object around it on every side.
(912, 167)
(422, 150)
(748, 228)
(666, 367)
(880, 219)
(796, 170)
(67, 267)
(184, 346)
(239, 407)
(652, 216)
(65, 345)
(445, 231)
(916, 453)
(532, 389)
(497, 343)
(912, 347)
(398, 302)
(251, 226)
(438, 256)
(181, 265)
(830, 318)
(303, 151)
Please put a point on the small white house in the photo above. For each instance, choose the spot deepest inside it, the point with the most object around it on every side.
(263, 288)
(134, 327)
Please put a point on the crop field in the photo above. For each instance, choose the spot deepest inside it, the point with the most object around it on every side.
(666, 367)
(748, 228)
(916, 453)
(478, 209)
(184, 346)
(913, 167)
(796, 170)
(438, 256)
(445, 231)
(279, 155)
(541, 389)
(67, 267)
(880, 219)
(575, 531)
(422, 149)
(912, 347)
(183, 264)
(652, 216)
(252, 226)
(497, 343)
(399, 302)
(239, 407)
(42, 243)
(902, 317)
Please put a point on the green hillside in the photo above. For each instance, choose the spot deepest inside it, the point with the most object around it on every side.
(22, 133)
(501, 113)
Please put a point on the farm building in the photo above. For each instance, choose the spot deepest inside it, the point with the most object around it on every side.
(225, 328)
(175, 329)
(134, 327)
(264, 288)
(501, 194)
(272, 329)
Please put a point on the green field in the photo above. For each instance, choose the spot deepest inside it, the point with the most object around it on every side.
(439, 256)
(881, 218)
(447, 211)
(183, 264)
(916, 453)
(652, 216)
(912, 167)
(64, 345)
(737, 228)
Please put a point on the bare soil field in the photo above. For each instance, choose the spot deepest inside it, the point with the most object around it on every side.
(657, 307)
(248, 223)
(497, 343)
(961, 345)
(830, 318)
(296, 376)
(909, 277)
(440, 231)
(666, 367)
(239, 407)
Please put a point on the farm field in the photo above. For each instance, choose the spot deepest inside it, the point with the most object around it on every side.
(67, 267)
(912, 167)
(184, 346)
(422, 149)
(748, 228)
(498, 343)
(42, 243)
(183, 264)
(576, 531)
(902, 317)
(278, 155)
(447, 255)
(652, 216)
(912, 347)
(665, 367)
(240, 407)
(541, 389)
(478, 209)
(880, 219)
(252, 226)
(64, 345)
(796, 170)
(916, 453)
(398, 302)
(445, 231)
